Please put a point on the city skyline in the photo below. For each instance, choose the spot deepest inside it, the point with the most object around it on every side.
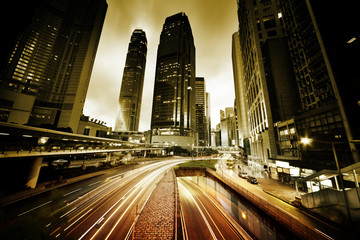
(213, 53)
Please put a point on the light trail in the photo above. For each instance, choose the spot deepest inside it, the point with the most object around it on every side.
(234, 226)
(71, 192)
(77, 220)
(147, 182)
(94, 183)
(67, 212)
(189, 195)
(141, 185)
(323, 234)
(93, 202)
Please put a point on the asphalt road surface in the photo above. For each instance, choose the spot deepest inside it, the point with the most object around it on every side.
(203, 218)
(103, 207)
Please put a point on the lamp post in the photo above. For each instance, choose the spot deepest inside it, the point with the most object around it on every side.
(307, 141)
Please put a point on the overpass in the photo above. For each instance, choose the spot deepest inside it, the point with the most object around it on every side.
(26, 143)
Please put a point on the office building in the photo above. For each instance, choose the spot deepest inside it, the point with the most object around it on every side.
(325, 55)
(200, 104)
(128, 115)
(228, 127)
(263, 74)
(47, 61)
(240, 94)
(173, 118)
(208, 118)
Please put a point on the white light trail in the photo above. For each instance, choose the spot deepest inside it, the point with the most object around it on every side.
(71, 192)
(189, 195)
(67, 212)
(94, 183)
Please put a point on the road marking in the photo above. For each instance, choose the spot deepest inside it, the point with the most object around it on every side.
(94, 183)
(323, 233)
(71, 192)
(118, 175)
(34, 208)
(68, 212)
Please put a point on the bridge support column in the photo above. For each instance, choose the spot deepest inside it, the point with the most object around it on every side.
(108, 157)
(34, 172)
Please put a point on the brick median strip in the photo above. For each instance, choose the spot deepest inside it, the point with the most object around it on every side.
(157, 221)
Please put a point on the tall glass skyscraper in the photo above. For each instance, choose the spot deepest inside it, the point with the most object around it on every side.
(47, 61)
(200, 107)
(173, 112)
(128, 116)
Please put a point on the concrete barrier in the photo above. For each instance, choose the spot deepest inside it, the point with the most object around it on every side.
(283, 217)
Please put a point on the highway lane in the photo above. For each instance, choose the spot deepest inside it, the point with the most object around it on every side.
(99, 208)
(203, 217)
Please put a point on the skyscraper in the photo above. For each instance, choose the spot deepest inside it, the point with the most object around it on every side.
(208, 117)
(201, 121)
(264, 72)
(228, 127)
(128, 116)
(326, 63)
(240, 93)
(173, 112)
(48, 60)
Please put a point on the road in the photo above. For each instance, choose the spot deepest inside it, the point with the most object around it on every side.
(326, 230)
(98, 208)
(203, 218)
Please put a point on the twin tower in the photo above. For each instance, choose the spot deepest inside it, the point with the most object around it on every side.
(173, 109)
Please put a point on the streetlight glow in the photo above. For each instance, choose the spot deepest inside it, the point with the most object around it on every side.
(305, 140)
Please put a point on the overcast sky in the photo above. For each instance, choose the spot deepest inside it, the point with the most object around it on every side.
(212, 21)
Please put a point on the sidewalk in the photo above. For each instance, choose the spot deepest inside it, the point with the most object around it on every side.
(278, 189)
(274, 201)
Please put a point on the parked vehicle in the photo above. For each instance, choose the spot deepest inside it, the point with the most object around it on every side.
(243, 175)
(252, 180)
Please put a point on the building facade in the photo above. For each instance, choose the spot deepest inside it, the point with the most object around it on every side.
(200, 107)
(265, 76)
(240, 94)
(48, 60)
(228, 127)
(173, 114)
(325, 61)
(208, 117)
(128, 116)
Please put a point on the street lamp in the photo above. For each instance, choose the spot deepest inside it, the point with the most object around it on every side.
(307, 141)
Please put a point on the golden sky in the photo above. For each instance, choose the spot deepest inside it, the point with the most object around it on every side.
(212, 21)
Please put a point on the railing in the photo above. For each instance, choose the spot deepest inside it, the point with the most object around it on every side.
(52, 152)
